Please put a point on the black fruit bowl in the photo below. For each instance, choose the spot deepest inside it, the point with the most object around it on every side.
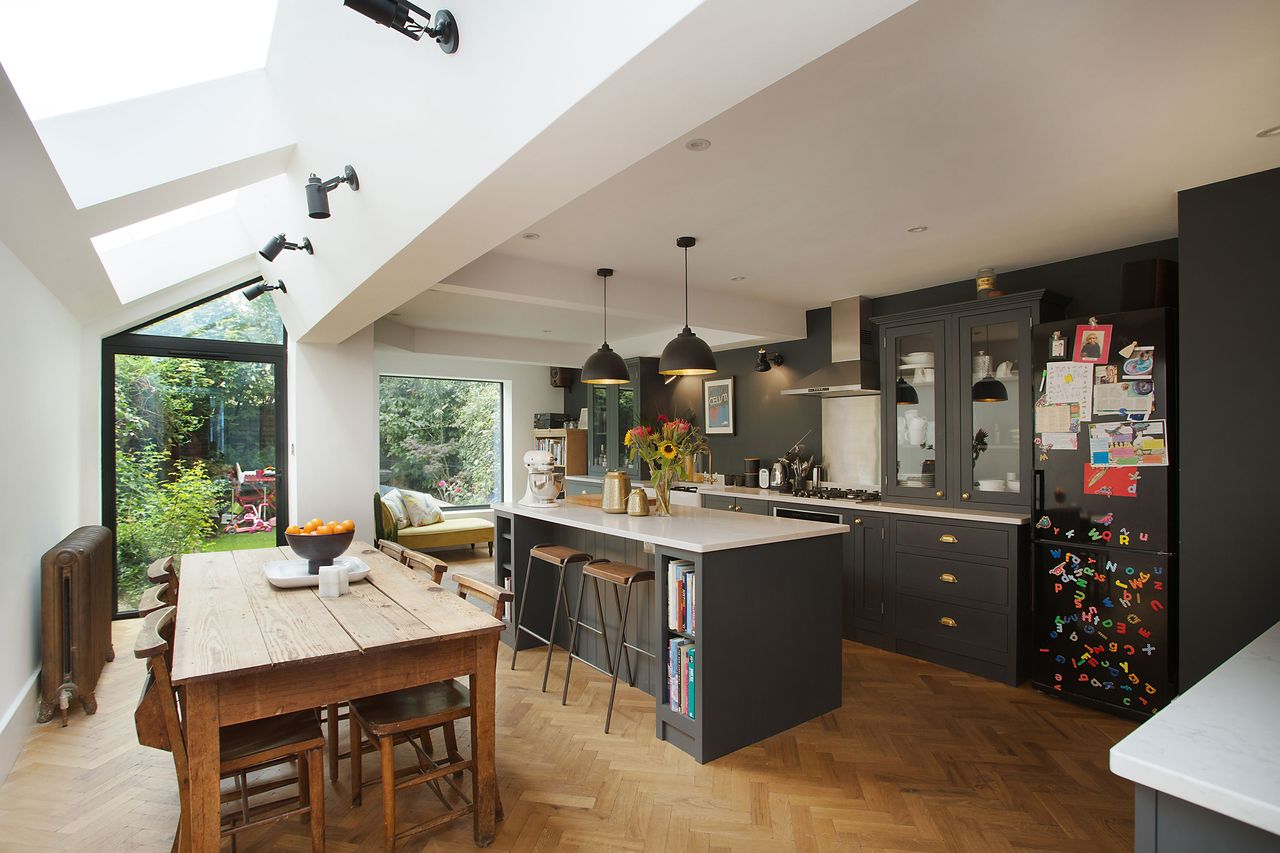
(319, 550)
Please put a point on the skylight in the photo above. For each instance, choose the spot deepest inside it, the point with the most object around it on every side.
(76, 54)
(164, 222)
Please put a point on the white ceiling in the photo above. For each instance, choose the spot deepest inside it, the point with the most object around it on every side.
(1018, 132)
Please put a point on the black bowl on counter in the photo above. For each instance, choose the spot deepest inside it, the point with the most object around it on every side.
(319, 550)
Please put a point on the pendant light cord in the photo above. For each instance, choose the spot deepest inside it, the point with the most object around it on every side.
(686, 287)
(604, 285)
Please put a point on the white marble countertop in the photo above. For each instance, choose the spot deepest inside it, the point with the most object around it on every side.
(1218, 744)
(687, 528)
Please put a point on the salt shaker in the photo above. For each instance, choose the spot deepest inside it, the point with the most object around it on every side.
(329, 581)
(344, 580)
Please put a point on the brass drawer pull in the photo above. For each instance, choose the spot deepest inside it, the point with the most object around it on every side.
(949, 538)
(857, 521)
(737, 508)
(938, 493)
(964, 496)
(947, 621)
(947, 577)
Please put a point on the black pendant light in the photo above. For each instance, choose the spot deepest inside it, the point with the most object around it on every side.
(907, 395)
(686, 354)
(605, 367)
(988, 389)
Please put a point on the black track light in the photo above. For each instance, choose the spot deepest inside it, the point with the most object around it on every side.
(318, 191)
(395, 15)
(255, 290)
(604, 366)
(764, 360)
(279, 243)
(686, 354)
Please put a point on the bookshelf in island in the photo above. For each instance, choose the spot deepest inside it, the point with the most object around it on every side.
(744, 614)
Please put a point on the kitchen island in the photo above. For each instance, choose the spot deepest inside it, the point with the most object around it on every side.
(767, 621)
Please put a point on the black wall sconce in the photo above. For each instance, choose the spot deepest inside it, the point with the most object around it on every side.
(763, 360)
(318, 191)
(279, 243)
(395, 15)
(253, 291)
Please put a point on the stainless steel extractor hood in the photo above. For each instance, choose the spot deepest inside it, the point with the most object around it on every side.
(854, 370)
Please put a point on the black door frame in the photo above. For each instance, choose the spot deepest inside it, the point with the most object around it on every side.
(130, 343)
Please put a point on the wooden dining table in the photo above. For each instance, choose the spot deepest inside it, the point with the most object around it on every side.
(245, 650)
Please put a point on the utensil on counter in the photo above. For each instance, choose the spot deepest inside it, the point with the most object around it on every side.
(816, 475)
(637, 502)
(617, 486)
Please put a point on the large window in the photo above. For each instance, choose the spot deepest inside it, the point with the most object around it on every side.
(193, 435)
(443, 437)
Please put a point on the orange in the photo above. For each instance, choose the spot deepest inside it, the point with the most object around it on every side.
(293, 528)
(316, 522)
(340, 527)
(324, 530)
(349, 524)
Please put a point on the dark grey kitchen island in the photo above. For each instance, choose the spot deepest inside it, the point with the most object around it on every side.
(768, 612)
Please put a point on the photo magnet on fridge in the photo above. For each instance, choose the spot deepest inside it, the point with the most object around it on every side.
(1093, 344)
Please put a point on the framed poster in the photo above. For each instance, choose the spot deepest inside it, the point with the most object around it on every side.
(717, 406)
(1093, 344)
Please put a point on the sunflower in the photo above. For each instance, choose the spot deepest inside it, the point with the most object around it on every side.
(667, 449)
(627, 439)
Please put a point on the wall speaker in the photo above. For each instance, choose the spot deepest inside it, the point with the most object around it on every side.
(561, 377)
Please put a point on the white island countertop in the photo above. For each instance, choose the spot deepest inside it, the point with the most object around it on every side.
(687, 528)
(1218, 744)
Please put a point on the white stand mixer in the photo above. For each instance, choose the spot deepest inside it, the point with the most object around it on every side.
(544, 483)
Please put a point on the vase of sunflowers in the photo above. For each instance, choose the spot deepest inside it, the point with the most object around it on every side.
(664, 450)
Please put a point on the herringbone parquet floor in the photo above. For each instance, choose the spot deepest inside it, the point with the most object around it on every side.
(920, 758)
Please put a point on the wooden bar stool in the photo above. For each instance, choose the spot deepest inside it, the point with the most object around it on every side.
(619, 575)
(559, 557)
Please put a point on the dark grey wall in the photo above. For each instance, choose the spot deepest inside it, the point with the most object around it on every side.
(1229, 298)
(1092, 282)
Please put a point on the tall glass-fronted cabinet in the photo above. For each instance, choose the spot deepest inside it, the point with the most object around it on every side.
(957, 426)
(614, 409)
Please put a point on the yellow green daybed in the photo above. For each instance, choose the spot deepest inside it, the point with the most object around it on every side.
(449, 532)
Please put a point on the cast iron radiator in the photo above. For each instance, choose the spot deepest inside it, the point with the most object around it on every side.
(75, 585)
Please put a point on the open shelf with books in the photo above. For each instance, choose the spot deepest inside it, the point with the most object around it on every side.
(680, 646)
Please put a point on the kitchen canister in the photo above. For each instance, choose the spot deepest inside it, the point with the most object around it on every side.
(617, 484)
(637, 502)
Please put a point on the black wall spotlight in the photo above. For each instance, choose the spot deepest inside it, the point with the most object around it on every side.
(763, 360)
(253, 291)
(395, 15)
(279, 243)
(318, 191)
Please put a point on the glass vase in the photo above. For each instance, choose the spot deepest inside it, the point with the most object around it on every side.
(662, 480)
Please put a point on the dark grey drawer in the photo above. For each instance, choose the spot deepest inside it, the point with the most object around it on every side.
(753, 506)
(955, 538)
(942, 577)
(717, 502)
(579, 487)
(951, 626)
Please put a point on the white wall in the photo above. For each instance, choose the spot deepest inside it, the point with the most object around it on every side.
(526, 390)
(333, 431)
(40, 345)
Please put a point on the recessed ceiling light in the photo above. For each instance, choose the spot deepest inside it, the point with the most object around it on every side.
(1269, 132)
(698, 144)
(738, 278)
(546, 331)
(917, 229)
(395, 314)
(530, 235)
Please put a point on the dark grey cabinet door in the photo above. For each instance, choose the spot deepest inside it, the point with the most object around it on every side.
(865, 572)
(994, 362)
(914, 379)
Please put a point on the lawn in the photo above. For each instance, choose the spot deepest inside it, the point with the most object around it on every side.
(237, 541)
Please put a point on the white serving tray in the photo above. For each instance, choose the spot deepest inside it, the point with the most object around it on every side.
(286, 574)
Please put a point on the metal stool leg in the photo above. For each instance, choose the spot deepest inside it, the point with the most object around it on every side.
(622, 621)
(622, 642)
(555, 615)
(524, 596)
(573, 640)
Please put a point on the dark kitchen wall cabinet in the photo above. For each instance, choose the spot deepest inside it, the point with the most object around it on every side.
(957, 416)
(612, 410)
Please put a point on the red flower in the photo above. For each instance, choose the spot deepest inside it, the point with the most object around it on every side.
(662, 419)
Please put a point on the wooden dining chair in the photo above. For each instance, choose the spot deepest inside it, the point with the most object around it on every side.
(408, 716)
(425, 562)
(154, 598)
(246, 747)
(164, 570)
(394, 550)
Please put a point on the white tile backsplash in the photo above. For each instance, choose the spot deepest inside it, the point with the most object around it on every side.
(851, 441)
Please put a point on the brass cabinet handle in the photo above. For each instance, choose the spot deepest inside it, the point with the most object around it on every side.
(857, 521)
(938, 493)
(947, 577)
(737, 508)
(964, 496)
(947, 621)
(948, 538)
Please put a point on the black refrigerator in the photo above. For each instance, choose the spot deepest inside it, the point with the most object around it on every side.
(1104, 587)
